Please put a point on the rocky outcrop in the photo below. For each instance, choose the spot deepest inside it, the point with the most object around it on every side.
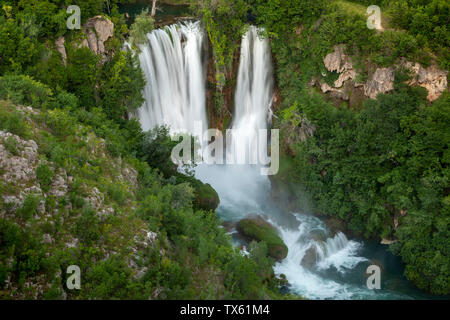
(98, 30)
(59, 45)
(258, 229)
(339, 62)
(20, 161)
(387, 241)
(381, 80)
(432, 78)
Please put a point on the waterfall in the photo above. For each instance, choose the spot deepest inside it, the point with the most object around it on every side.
(253, 98)
(241, 188)
(175, 90)
(175, 96)
(336, 252)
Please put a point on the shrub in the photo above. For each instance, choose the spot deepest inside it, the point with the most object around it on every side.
(44, 175)
(14, 123)
(87, 227)
(29, 207)
(22, 89)
(142, 25)
(11, 145)
(61, 122)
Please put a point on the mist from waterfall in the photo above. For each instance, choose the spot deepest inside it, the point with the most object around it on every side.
(173, 68)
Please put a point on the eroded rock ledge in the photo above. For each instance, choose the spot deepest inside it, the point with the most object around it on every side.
(381, 80)
(96, 32)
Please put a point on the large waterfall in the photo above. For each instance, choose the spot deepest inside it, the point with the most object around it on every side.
(175, 96)
(173, 68)
(242, 189)
(253, 98)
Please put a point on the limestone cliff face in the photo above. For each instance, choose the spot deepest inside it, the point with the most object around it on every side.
(59, 46)
(96, 32)
(432, 78)
(381, 80)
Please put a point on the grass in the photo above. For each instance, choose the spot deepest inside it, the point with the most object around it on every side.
(359, 9)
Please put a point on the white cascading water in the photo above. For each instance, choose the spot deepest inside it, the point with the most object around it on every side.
(175, 96)
(175, 90)
(253, 97)
(337, 252)
(241, 188)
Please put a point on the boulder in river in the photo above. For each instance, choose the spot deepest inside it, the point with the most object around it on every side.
(256, 228)
(206, 197)
(310, 257)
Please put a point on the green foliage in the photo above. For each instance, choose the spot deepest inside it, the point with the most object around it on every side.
(79, 103)
(157, 149)
(29, 207)
(10, 144)
(13, 122)
(120, 89)
(24, 90)
(282, 17)
(44, 175)
(142, 25)
(366, 167)
(427, 21)
(18, 49)
(87, 227)
(83, 75)
(224, 21)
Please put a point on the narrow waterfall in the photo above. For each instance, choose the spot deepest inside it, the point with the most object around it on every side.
(242, 189)
(175, 90)
(254, 95)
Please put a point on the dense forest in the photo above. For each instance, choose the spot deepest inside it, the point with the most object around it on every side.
(380, 165)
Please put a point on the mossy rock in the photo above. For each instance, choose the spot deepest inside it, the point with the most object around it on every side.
(206, 198)
(258, 229)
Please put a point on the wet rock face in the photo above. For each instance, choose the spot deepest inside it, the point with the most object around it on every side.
(310, 257)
